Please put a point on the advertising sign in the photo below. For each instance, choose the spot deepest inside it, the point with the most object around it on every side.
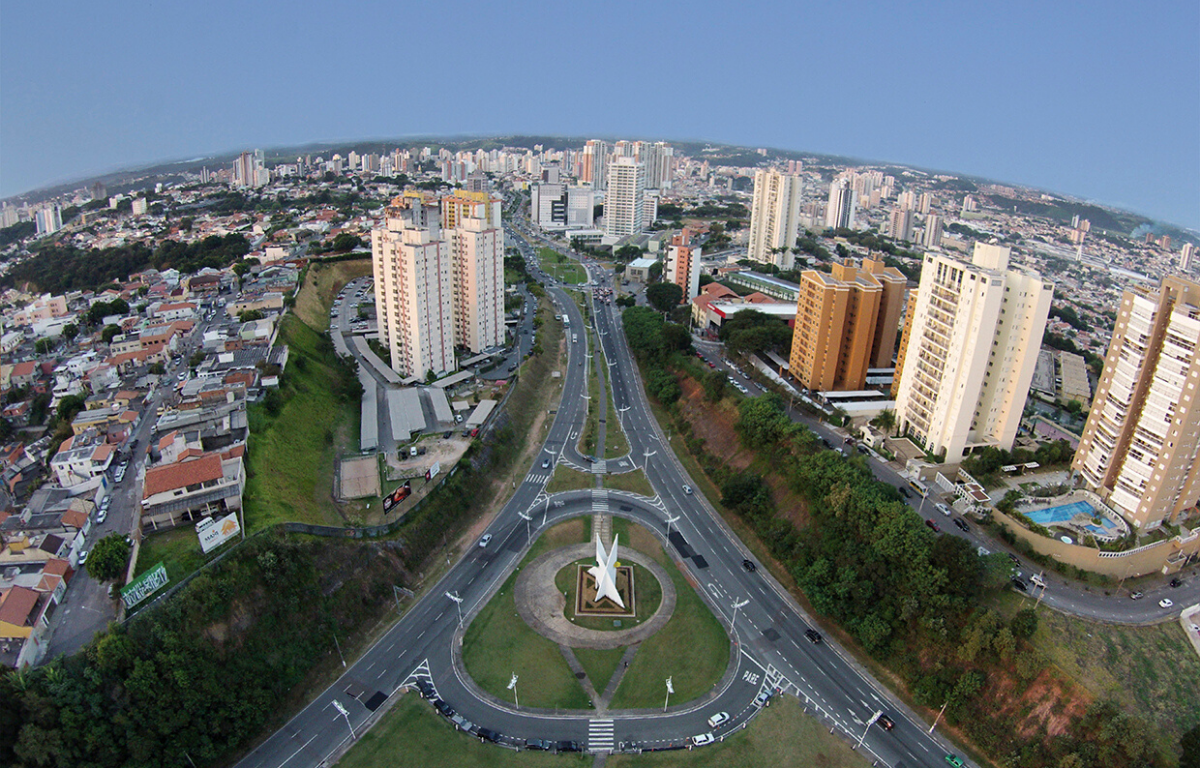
(214, 533)
(145, 585)
(433, 471)
(395, 497)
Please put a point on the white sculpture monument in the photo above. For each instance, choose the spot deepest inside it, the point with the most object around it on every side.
(605, 572)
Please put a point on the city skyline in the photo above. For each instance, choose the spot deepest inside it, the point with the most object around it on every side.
(1088, 114)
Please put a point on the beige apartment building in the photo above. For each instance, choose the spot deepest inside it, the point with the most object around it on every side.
(971, 343)
(1139, 446)
(683, 265)
(439, 279)
(775, 217)
(846, 322)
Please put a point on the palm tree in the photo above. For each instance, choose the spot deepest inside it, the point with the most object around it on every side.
(885, 421)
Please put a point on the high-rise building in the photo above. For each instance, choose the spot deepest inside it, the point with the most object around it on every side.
(624, 204)
(901, 224)
(140, 206)
(98, 191)
(932, 237)
(846, 322)
(558, 206)
(843, 204)
(775, 217)
(48, 219)
(683, 265)
(1140, 444)
(925, 204)
(972, 338)
(594, 169)
(1185, 256)
(439, 279)
(657, 157)
(249, 170)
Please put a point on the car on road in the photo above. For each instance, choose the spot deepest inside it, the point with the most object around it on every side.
(886, 722)
(83, 556)
(749, 565)
(540, 745)
(762, 698)
(933, 525)
(904, 491)
(487, 734)
(700, 740)
(102, 516)
(1014, 558)
(1019, 584)
(954, 760)
(567, 746)
(1176, 583)
(487, 539)
(687, 489)
(813, 636)
(717, 720)
(962, 525)
(1136, 595)
(545, 463)
(944, 509)
(1164, 603)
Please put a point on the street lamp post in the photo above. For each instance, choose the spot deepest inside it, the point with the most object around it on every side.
(670, 690)
(512, 686)
(346, 714)
(867, 727)
(458, 602)
(670, 521)
(528, 530)
(939, 717)
(737, 604)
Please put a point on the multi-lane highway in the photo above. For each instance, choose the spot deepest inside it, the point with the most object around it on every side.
(771, 650)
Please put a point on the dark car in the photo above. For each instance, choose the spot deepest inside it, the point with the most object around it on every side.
(1021, 585)
(541, 745)
(933, 525)
(487, 734)
(1176, 583)
(813, 636)
(1014, 558)
(444, 708)
(749, 565)
(425, 688)
(568, 746)
(904, 492)
(886, 722)
(962, 525)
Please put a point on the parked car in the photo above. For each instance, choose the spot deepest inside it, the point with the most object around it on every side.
(1164, 603)
(567, 746)
(1176, 583)
(83, 556)
(933, 525)
(762, 698)
(541, 745)
(962, 525)
(904, 491)
(1136, 595)
(1020, 584)
(944, 509)
(717, 720)
(701, 739)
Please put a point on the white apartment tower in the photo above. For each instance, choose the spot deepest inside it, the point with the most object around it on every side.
(969, 349)
(775, 217)
(932, 237)
(843, 204)
(624, 205)
(1185, 256)
(1142, 439)
(594, 169)
(439, 279)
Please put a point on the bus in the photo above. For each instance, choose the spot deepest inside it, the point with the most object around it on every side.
(919, 487)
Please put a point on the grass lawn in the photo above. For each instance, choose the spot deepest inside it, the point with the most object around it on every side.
(322, 284)
(600, 665)
(289, 463)
(1148, 670)
(781, 737)
(591, 425)
(498, 643)
(692, 627)
(567, 271)
(567, 479)
(615, 443)
(413, 735)
(634, 481)
(178, 549)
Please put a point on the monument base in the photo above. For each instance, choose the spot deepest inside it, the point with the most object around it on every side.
(586, 603)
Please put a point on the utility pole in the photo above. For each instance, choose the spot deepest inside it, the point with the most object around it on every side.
(939, 717)
(339, 648)
(458, 602)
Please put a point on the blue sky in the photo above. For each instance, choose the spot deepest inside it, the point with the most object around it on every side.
(1099, 100)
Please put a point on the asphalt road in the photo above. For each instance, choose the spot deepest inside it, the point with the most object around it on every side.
(770, 646)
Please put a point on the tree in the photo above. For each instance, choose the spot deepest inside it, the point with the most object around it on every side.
(109, 558)
(1190, 744)
(628, 252)
(885, 421)
(250, 315)
(69, 406)
(1024, 623)
(157, 369)
(240, 269)
(43, 346)
(664, 296)
(70, 331)
(345, 242)
(655, 271)
(109, 333)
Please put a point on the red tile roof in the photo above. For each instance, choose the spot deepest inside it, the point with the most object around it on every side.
(205, 469)
(17, 604)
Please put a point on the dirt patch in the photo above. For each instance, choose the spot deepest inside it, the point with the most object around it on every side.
(714, 424)
(569, 532)
(321, 284)
(359, 477)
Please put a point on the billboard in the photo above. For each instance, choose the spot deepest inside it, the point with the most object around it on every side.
(213, 533)
(395, 497)
(145, 585)
(433, 471)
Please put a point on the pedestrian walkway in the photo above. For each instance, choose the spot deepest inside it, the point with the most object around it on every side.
(600, 735)
(599, 467)
(610, 690)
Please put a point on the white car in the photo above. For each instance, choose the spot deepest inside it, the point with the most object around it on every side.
(83, 556)
(945, 510)
(717, 720)
(487, 539)
(1165, 603)
(702, 739)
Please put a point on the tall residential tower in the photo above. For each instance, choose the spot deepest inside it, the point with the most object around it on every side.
(775, 217)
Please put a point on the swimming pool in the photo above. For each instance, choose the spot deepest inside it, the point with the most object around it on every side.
(1065, 512)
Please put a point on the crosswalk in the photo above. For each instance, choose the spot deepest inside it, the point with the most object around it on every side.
(600, 501)
(600, 735)
(538, 479)
(598, 467)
